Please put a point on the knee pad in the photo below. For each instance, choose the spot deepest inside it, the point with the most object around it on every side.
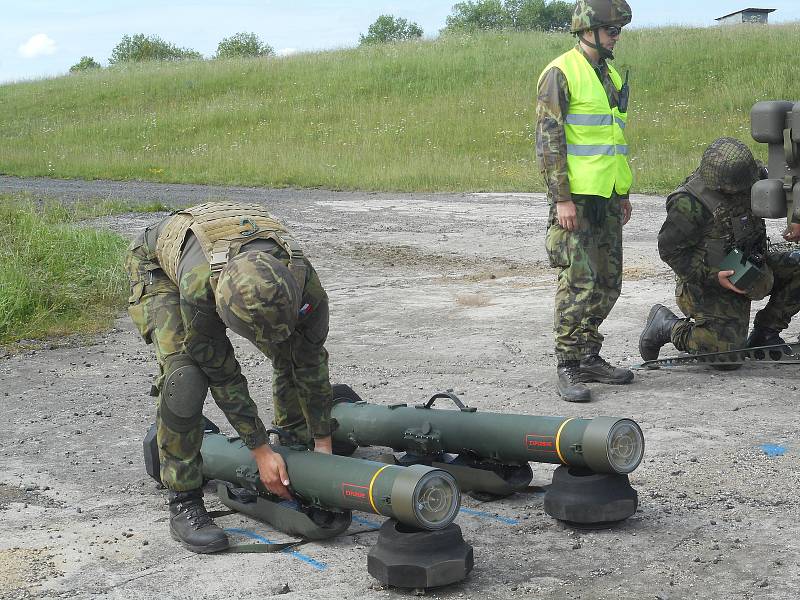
(183, 394)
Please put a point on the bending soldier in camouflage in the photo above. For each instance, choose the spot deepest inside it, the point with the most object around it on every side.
(581, 152)
(194, 274)
(707, 217)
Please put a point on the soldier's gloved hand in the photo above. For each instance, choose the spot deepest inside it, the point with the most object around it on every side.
(627, 209)
(792, 233)
(323, 445)
(724, 281)
(567, 215)
(272, 471)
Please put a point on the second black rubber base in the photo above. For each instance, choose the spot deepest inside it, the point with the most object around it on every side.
(411, 558)
(585, 498)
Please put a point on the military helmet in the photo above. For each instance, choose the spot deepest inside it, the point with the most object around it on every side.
(258, 298)
(728, 166)
(592, 14)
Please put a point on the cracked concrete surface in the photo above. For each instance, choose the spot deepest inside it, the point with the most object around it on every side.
(428, 292)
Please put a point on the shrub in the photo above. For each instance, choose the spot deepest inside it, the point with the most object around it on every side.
(387, 28)
(241, 45)
(86, 63)
(140, 48)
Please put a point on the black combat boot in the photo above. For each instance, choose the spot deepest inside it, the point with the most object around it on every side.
(657, 331)
(764, 336)
(594, 368)
(191, 525)
(569, 384)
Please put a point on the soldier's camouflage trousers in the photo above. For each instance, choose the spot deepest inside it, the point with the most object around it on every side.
(590, 279)
(301, 386)
(719, 319)
(154, 307)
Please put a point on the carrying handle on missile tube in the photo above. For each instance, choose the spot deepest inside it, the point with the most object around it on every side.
(448, 394)
(286, 438)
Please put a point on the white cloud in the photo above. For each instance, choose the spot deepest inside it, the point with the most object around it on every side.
(286, 51)
(39, 45)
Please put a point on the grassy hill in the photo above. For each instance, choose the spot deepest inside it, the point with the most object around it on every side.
(451, 114)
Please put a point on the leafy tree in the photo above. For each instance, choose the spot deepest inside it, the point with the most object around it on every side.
(243, 44)
(523, 15)
(559, 15)
(140, 47)
(387, 28)
(483, 14)
(86, 63)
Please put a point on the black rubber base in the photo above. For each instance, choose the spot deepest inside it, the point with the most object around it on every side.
(584, 498)
(410, 558)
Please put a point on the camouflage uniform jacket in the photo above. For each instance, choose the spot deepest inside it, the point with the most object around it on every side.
(684, 236)
(552, 107)
(208, 344)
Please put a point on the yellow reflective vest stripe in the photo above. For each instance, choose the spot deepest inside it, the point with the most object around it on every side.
(597, 151)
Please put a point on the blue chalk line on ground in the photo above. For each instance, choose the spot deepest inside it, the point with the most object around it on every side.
(773, 449)
(364, 521)
(486, 515)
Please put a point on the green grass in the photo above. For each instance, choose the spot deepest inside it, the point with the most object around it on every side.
(455, 113)
(58, 278)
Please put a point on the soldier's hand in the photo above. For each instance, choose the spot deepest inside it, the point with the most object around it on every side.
(272, 471)
(567, 215)
(323, 445)
(627, 209)
(724, 281)
(792, 233)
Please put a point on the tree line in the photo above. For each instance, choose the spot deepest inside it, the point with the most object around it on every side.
(141, 48)
(466, 17)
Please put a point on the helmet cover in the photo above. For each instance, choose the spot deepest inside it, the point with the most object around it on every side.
(592, 14)
(258, 297)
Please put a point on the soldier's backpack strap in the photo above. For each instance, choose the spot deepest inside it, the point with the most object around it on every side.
(709, 198)
(297, 263)
(223, 250)
(220, 253)
(713, 202)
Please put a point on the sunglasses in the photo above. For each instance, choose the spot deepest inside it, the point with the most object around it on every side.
(613, 30)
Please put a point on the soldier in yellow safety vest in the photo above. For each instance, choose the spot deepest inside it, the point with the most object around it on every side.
(582, 153)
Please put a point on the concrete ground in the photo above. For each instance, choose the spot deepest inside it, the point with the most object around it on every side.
(428, 292)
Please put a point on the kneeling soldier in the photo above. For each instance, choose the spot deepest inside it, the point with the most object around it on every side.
(708, 217)
(194, 274)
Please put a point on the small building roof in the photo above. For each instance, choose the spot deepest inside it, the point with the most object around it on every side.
(756, 10)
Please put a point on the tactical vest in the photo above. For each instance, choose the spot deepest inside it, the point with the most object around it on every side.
(222, 229)
(718, 235)
(597, 152)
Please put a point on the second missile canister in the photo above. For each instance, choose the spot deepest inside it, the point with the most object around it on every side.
(601, 444)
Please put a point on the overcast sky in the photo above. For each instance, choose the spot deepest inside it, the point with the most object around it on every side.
(40, 38)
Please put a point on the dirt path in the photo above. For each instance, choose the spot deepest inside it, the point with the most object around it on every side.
(428, 292)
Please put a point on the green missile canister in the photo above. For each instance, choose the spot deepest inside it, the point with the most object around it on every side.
(602, 444)
(420, 497)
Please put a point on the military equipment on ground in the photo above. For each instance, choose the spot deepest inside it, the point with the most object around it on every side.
(326, 488)
(419, 559)
(489, 453)
(777, 124)
(775, 354)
